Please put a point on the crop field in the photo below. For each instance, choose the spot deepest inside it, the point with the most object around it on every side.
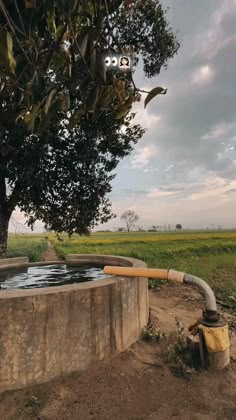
(210, 255)
(31, 246)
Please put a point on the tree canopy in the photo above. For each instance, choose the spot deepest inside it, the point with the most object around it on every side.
(65, 122)
(51, 56)
(71, 176)
(178, 226)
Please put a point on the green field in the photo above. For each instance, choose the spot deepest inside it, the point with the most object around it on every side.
(209, 255)
(31, 246)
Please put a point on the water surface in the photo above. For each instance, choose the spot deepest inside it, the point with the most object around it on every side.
(48, 275)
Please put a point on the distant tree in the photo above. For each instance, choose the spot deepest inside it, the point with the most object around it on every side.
(120, 229)
(153, 228)
(178, 226)
(140, 229)
(130, 218)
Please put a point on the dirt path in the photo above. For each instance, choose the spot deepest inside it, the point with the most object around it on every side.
(50, 253)
(137, 384)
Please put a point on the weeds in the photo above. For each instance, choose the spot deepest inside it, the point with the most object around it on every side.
(179, 356)
(152, 333)
(31, 407)
(155, 284)
(33, 402)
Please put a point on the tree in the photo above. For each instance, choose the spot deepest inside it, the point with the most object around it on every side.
(130, 218)
(140, 229)
(64, 121)
(153, 228)
(178, 226)
(67, 183)
(120, 229)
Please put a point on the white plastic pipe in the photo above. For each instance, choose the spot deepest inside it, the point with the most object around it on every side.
(210, 300)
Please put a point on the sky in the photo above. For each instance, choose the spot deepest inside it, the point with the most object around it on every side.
(183, 170)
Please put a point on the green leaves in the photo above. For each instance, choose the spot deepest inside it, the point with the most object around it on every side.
(6, 51)
(49, 99)
(114, 5)
(100, 68)
(51, 22)
(38, 86)
(107, 96)
(75, 117)
(81, 43)
(64, 101)
(154, 92)
(58, 59)
(29, 116)
(92, 98)
(39, 114)
(124, 108)
(29, 4)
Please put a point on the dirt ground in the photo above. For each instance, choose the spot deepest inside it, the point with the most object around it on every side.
(50, 253)
(138, 384)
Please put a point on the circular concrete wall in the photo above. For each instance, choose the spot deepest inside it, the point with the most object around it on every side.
(45, 333)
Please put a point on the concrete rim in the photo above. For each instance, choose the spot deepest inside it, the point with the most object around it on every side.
(73, 259)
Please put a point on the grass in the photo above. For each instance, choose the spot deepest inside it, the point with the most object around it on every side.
(31, 246)
(209, 255)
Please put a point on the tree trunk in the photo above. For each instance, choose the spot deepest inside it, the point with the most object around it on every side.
(5, 214)
(4, 222)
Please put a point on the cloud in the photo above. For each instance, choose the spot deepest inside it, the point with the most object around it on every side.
(144, 117)
(231, 191)
(142, 156)
(219, 130)
(220, 33)
(196, 204)
(202, 75)
(213, 188)
(158, 192)
(191, 179)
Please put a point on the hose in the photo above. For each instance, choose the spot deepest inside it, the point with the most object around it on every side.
(172, 275)
(210, 300)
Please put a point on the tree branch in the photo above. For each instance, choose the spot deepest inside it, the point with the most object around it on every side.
(12, 26)
(18, 12)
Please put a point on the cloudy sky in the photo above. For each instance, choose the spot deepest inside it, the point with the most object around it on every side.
(184, 168)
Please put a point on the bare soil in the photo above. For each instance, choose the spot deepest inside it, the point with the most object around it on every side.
(138, 384)
(50, 253)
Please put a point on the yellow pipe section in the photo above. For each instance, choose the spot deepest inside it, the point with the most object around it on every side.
(154, 273)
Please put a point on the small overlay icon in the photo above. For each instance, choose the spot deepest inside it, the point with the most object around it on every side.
(118, 62)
